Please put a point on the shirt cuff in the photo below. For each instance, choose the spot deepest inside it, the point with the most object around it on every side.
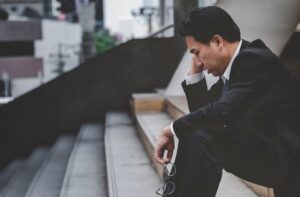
(192, 79)
(172, 129)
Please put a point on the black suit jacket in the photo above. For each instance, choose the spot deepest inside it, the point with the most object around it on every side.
(262, 97)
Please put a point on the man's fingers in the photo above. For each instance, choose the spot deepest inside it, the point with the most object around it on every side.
(158, 155)
(169, 155)
(163, 144)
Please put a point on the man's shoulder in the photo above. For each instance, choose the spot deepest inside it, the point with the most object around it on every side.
(257, 56)
(254, 56)
(256, 49)
(255, 53)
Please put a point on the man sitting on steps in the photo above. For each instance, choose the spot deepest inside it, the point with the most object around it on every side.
(247, 123)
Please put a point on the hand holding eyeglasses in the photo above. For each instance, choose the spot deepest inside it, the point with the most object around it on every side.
(165, 143)
(168, 187)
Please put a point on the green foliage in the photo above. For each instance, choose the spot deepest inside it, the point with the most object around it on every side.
(104, 41)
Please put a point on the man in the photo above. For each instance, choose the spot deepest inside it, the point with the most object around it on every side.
(247, 123)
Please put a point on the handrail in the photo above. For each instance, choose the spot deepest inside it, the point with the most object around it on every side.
(160, 31)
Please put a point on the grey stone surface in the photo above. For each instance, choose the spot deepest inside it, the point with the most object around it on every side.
(152, 123)
(130, 173)
(85, 175)
(10, 171)
(231, 186)
(48, 181)
(20, 183)
(20, 30)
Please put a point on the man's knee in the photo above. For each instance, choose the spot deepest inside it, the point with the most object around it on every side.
(202, 134)
(202, 145)
(200, 139)
(197, 141)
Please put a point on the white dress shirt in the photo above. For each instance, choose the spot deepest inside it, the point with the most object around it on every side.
(192, 79)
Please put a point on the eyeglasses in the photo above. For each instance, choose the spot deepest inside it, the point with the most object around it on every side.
(168, 187)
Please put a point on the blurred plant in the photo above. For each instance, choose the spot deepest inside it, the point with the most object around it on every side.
(104, 41)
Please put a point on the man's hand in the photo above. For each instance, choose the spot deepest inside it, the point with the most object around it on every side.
(165, 143)
(196, 66)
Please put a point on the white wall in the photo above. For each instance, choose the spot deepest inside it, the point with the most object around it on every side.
(203, 3)
(53, 33)
(20, 86)
(114, 9)
(118, 18)
(69, 35)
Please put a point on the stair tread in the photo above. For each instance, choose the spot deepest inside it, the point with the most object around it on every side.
(153, 122)
(20, 183)
(48, 181)
(130, 173)
(179, 102)
(85, 174)
(10, 171)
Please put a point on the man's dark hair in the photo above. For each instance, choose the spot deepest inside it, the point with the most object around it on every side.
(204, 23)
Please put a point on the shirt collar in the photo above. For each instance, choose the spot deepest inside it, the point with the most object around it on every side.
(226, 74)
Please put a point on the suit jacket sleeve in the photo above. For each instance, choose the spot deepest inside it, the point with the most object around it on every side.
(198, 95)
(249, 80)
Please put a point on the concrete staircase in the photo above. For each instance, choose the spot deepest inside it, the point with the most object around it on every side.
(114, 159)
(72, 167)
(129, 170)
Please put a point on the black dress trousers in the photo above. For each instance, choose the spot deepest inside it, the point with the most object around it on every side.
(203, 155)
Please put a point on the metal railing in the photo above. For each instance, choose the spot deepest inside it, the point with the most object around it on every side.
(161, 31)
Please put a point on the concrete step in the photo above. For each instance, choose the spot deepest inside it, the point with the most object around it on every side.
(20, 183)
(85, 174)
(147, 102)
(10, 171)
(48, 181)
(176, 106)
(150, 125)
(129, 170)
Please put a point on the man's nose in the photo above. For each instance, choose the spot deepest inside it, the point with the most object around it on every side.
(199, 63)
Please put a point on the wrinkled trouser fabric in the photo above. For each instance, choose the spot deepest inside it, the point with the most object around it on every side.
(203, 154)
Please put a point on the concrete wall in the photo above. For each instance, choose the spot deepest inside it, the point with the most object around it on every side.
(20, 31)
(117, 13)
(14, 8)
(58, 36)
(118, 17)
(51, 37)
(21, 86)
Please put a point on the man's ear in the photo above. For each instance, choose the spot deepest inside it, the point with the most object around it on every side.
(218, 41)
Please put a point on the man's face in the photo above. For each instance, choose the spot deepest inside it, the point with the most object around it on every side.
(207, 55)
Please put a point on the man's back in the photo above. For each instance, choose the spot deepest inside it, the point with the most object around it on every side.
(276, 100)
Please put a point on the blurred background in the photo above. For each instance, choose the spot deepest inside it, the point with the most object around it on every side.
(50, 37)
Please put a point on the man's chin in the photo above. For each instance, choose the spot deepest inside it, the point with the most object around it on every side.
(209, 72)
(215, 74)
